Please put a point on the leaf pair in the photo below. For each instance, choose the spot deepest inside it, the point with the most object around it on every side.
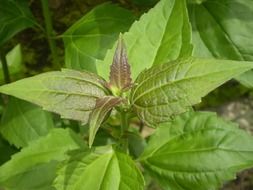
(160, 92)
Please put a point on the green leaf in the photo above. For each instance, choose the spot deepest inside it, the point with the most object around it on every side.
(223, 29)
(90, 37)
(103, 107)
(23, 122)
(161, 35)
(170, 89)
(72, 94)
(15, 16)
(15, 66)
(40, 177)
(102, 169)
(52, 147)
(197, 151)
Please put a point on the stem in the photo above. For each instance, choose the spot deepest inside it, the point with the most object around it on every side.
(124, 127)
(141, 127)
(50, 33)
(5, 67)
(124, 122)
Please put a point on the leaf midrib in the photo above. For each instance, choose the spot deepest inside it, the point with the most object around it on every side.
(172, 138)
(91, 164)
(220, 170)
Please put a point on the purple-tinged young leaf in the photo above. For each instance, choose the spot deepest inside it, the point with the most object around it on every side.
(120, 74)
(103, 107)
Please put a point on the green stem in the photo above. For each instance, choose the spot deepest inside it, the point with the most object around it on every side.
(124, 128)
(141, 126)
(124, 122)
(5, 66)
(50, 33)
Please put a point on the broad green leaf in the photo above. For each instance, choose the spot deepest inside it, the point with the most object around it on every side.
(161, 35)
(170, 89)
(15, 16)
(90, 37)
(72, 94)
(103, 107)
(197, 151)
(102, 169)
(223, 29)
(14, 61)
(52, 147)
(23, 122)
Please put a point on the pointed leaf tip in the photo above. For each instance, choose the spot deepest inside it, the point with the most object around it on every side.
(120, 74)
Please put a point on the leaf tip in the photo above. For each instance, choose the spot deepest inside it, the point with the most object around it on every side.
(120, 74)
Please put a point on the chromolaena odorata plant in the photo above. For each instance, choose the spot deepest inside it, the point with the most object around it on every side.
(109, 98)
(187, 145)
(189, 150)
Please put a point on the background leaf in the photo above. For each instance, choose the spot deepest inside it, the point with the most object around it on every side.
(44, 150)
(197, 151)
(23, 122)
(136, 144)
(6, 150)
(144, 2)
(34, 178)
(90, 37)
(101, 169)
(15, 66)
(170, 89)
(15, 16)
(161, 35)
(223, 29)
(72, 94)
